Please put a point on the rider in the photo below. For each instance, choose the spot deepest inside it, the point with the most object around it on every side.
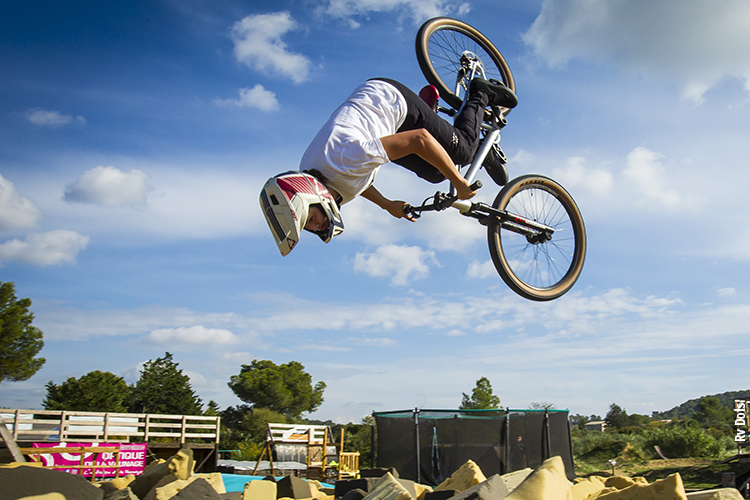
(381, 121)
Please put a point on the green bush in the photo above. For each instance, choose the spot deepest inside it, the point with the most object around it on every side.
(685, 442)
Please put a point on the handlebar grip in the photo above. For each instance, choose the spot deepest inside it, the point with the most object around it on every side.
(407, 208)
(476, 185)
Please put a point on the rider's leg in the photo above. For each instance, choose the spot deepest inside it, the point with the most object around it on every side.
(459, 140)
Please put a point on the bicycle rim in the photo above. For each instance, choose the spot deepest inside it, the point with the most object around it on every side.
(441, 42)
(539, 271)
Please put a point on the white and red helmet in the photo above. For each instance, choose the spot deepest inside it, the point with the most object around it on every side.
(286, 200)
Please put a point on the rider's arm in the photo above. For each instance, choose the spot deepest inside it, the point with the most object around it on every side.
(424, 145)
(395, 208)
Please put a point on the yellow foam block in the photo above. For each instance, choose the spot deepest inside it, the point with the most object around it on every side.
(716, 494)
(171, 489)
(46, 496)
(547, 482)
(215, 480)
(13, 465)
(422, 490)
(259, 490)
(181, 464)
(587, 488)
(122, 482)
(468, 475)
(669, 488)
(513, 479)
(619, 482)
(387, 488)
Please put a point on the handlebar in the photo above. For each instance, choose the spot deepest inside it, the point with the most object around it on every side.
(440, 201)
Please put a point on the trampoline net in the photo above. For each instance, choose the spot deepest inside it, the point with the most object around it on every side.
(429, 445)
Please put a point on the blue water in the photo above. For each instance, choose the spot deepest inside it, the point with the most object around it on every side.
(236, 482)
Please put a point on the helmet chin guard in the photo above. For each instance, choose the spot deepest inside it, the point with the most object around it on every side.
(286, 200)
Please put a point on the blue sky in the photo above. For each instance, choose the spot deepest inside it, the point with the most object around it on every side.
(135, 137)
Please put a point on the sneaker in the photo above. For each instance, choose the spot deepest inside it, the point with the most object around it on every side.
(499, 94)
(494, 164)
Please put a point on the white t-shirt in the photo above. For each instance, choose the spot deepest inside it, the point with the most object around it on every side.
(347, 150)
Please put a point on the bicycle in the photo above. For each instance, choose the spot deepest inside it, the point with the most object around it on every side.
(535, 231)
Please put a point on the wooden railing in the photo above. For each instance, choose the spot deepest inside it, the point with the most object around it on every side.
(48, 425)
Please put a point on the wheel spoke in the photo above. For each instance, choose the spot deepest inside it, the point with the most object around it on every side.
(537, 268)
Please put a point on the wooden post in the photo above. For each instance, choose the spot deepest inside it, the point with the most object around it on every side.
(106, 426)
(15, 424)
(10, 442)
(183, 429)
(63, 425)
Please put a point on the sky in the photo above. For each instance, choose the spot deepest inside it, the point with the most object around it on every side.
(135, 138)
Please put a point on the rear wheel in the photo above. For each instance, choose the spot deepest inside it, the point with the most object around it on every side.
(441, 43)
(537, 268)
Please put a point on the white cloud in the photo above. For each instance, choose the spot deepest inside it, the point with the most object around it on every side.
(239, 358)
(110, 187)
(375, 342)
(400, 262)
(256, 97)
(258, 44)
(198, 334)
(196, 379)
(45, 249)
(576, 174)
(727, 292)
(418, 10)
(647, 172)
(481, 269)
(45, 118)
(16, 211)
(696, 42)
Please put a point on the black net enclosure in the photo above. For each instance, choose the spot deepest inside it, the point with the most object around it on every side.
(428, 446)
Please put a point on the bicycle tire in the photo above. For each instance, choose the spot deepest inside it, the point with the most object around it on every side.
(440, 43)
(539, 271)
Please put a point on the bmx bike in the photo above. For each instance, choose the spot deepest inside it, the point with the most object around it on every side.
(535, 231)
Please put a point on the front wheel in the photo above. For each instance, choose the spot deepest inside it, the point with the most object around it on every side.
(535, 268)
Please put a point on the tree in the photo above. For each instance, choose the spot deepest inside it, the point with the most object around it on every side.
(710, 413)
(481, 397)
(244, 428)
(95, 391)
(19, 341)
(212, 409)
(286, 388)
(616, 417)
(163, 388)
(544, 405)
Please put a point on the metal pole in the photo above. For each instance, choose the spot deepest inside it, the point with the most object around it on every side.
(507, 442)
(416, 444)
(372, 441)
(546, 428)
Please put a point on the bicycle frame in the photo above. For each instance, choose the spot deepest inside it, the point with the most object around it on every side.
(534, 231)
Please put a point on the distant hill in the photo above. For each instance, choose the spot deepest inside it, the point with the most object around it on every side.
(687, 408)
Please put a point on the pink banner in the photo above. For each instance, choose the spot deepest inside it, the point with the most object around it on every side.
(132, 458)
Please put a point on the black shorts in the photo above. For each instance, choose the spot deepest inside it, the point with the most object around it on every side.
(459, 140)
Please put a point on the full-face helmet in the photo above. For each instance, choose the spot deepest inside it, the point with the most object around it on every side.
(286, 200)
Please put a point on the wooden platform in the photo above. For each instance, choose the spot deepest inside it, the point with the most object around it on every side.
(164, 434)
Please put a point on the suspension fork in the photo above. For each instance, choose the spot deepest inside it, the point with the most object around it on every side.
(534, 231)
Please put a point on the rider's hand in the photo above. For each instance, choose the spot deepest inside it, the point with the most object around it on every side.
(396, 209)
(464, 191)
